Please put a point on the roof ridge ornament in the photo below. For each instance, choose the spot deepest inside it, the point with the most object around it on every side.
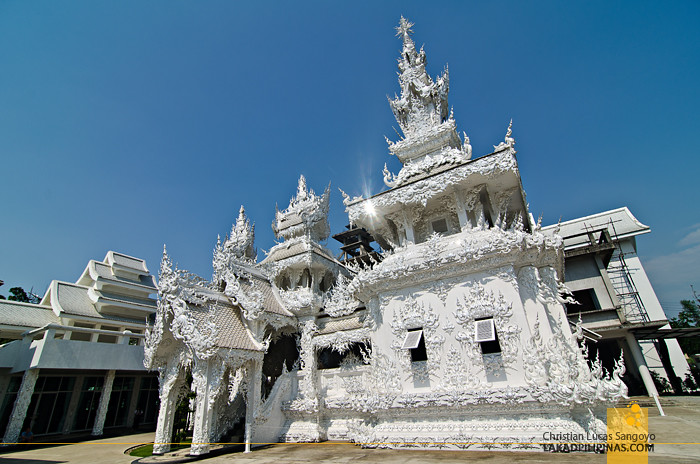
(508, 141)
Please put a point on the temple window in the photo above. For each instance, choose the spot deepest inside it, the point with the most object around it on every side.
(587, 302)
(305, 279)
(284, 283)
(327, 282)
(328, 358)
(440, 226)
(485, 334)
(415, 343)
(486, 205)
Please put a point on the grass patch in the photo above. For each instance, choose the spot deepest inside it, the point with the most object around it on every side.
(142, 451)
(147, 450)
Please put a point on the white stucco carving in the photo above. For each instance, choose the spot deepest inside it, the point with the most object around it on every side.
(458, 251)
(101, 414)
(19, 410)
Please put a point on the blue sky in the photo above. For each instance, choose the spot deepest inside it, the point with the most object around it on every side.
(127, 125)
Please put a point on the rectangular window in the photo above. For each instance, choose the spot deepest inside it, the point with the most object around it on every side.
(103, 338)
(440, 226)
(412, 340)
(119, 402)
(83, 325)
(88, 403)
(587, 302)
(484, 331)
(109, 327)
(485, 334)
(82, 336)
(416, 344)
(49, 403)
(148, 402)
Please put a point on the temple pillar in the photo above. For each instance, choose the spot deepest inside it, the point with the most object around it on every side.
(73, 405)
(407, 219)
(461, 211)
(253, 399)
(171, 380)
(202, 410)
(99, 425)
(19, 410)
(643, 369)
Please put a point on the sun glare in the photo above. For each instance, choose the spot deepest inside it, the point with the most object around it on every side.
(369, 208)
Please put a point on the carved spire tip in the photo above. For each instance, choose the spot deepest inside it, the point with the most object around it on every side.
(404, 29)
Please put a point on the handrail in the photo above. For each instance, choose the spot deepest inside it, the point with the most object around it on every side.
(71, 328)
(580, 234)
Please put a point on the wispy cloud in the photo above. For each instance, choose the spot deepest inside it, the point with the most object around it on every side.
(673, 274)
(692, 238)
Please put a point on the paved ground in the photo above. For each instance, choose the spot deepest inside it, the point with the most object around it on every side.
(681, 425)
(107, 451)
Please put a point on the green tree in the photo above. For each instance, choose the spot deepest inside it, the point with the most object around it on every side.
(688, 317)
(19, 294)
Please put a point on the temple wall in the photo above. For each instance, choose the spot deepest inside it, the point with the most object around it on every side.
(446, 315)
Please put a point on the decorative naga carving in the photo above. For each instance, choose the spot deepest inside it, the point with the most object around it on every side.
(341, 300)
(557, 371)
(175, 290)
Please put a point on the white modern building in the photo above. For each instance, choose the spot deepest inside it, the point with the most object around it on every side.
(616, 301)
(77, 362)
(453, 333)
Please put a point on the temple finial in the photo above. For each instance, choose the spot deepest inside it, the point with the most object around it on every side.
(510, 141)
(404, 30)
(302, 190)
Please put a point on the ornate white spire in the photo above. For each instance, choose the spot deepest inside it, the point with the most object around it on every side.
(167, 277)
(237, 248)
(242, 238)
(430, 138)
(306, 215)
(240, 243)
(423, 103)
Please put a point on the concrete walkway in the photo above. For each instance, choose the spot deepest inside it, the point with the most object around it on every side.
(107, 451)
(680, 425)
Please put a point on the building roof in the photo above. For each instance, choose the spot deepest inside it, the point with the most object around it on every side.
(16, 314)
(125, 260)
(98, 269)
(73, 300)
(271, 301)
(289, 250)
(620, 224)
(230, 331)
(331, 324)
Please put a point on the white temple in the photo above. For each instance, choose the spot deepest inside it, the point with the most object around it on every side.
(453, 335)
